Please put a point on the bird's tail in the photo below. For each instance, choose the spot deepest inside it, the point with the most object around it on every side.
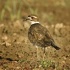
(56, 47)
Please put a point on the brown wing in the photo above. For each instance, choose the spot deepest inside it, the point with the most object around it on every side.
(48, 35)
(39, 35)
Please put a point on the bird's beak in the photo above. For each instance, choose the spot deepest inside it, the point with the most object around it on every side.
(25, 18)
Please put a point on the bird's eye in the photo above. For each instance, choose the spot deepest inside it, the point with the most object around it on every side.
(29, 16)
(32, 17)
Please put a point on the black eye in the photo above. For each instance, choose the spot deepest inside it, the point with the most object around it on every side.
(29, 16)
(32, 17)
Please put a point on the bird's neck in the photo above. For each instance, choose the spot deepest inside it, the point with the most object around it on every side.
(34, 22)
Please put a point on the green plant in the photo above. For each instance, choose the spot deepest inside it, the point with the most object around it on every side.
(31, 10)
(12, 8)
(46, 64)
(2, 13)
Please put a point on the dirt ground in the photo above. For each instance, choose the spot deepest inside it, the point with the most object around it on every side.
(16, 51)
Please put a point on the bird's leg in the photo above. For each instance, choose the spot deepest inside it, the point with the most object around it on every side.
(44, 54)
(37, 52)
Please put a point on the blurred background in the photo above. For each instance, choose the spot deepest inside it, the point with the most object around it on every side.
(16, 51)
(53, 11)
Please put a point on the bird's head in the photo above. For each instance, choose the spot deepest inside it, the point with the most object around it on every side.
(32, 19)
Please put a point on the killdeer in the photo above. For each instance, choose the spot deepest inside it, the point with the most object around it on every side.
(38, 35)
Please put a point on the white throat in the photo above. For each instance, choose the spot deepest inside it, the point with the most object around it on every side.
(33, 22)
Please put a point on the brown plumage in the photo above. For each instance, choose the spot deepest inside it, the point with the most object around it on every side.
(39, 35)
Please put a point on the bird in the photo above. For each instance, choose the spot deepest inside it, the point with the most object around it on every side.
(39, 35)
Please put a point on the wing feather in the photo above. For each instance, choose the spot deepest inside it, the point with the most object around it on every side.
(39, 35)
